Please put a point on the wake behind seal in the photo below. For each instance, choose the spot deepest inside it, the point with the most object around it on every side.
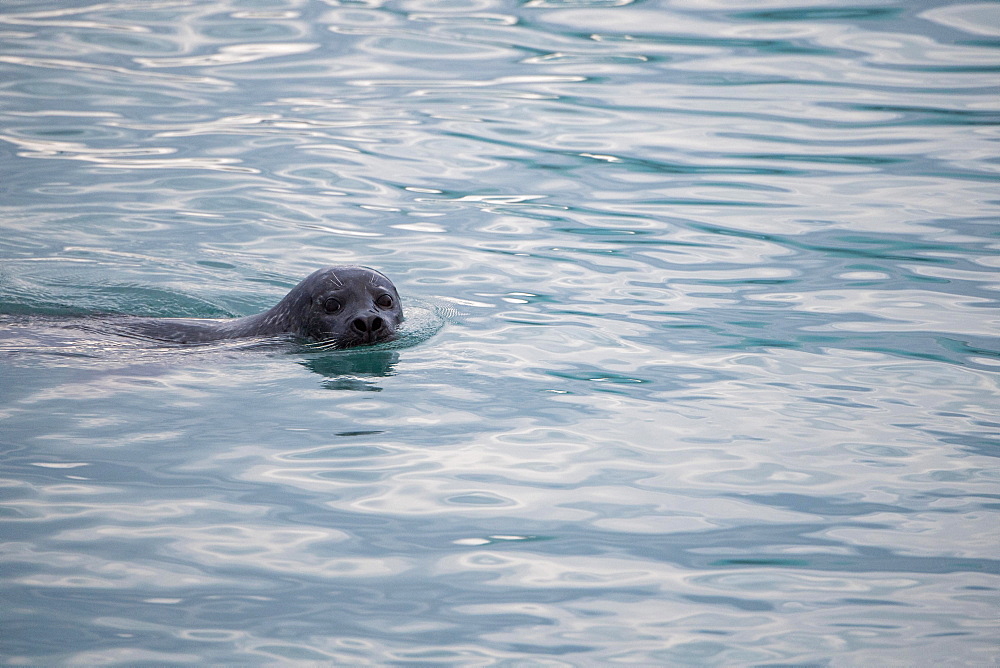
(338, 307)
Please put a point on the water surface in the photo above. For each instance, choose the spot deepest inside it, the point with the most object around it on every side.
(703, 361)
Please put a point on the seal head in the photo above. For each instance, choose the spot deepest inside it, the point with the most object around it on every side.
(342, 306)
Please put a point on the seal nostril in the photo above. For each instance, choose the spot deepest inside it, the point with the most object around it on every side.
(376, 324)
(359, 324)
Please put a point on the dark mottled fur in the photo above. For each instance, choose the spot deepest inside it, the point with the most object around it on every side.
(303, 312)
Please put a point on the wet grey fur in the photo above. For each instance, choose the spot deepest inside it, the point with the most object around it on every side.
(304, 312)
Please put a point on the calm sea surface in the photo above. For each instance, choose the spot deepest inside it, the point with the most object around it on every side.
(701, 359)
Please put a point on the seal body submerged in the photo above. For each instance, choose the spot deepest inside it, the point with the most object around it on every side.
(341, 307)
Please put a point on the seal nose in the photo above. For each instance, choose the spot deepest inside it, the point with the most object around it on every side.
(368, 324)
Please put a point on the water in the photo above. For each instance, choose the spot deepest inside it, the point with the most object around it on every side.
(702, 367)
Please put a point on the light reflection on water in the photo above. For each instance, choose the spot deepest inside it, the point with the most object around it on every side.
(701, 359)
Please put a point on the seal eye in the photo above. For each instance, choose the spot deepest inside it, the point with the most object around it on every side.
(385, 301)
(331, 305)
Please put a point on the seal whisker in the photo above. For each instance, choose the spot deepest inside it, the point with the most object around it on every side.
(328, 344)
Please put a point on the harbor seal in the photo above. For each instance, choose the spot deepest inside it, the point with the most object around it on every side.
(339, 307)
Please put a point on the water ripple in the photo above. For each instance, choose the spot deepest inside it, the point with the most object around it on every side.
(699, 365)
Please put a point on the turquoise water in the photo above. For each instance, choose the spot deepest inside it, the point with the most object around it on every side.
(701, 358)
